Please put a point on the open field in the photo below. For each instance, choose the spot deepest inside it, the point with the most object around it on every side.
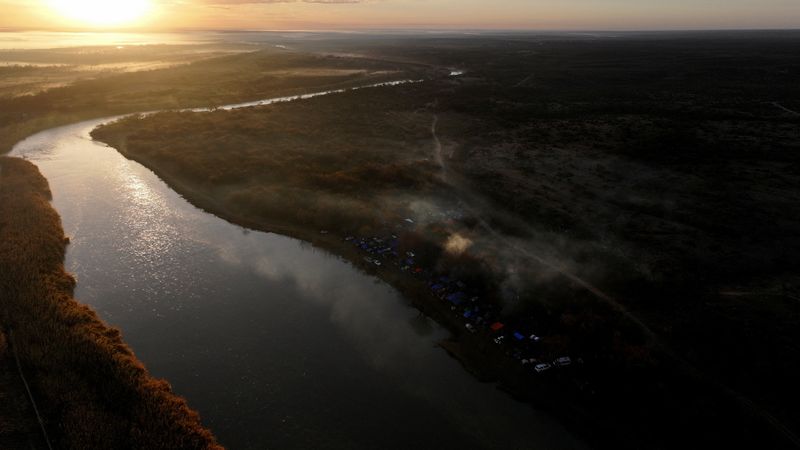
(30, 72)
(633, 200)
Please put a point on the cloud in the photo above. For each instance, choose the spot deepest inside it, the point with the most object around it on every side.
(223, 3)
(256, 2)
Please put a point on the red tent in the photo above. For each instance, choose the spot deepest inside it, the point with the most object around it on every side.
(497, 326)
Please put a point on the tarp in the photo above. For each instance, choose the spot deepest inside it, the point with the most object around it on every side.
(456, 298)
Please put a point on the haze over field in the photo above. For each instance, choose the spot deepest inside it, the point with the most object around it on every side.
(384, 14)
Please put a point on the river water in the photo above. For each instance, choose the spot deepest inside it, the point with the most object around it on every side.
(277, 344)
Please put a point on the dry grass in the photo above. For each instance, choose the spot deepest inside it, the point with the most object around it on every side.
(91, 389)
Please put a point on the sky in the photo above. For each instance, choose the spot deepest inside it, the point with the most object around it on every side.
(416, 14)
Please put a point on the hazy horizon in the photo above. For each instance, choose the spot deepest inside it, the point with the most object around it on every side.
(399, 224)
(389, 30)
(362, 15)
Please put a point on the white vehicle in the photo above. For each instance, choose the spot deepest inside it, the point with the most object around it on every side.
(377, 263)
(471, 328)
(535, 338)
(564, 361)
(542, 367)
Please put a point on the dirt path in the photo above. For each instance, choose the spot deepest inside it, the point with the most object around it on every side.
(758, 294)
(18, 426)
(437, 148)
(523, 81)
(783, 108)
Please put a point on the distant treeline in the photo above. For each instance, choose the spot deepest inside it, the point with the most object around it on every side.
(210, 82)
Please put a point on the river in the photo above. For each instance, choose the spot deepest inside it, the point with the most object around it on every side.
(276, 343)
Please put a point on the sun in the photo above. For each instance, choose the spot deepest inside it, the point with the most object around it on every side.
(102, 13)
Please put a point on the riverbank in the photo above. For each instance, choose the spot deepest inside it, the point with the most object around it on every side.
(90, 388)
(475, 351)
(348, 173)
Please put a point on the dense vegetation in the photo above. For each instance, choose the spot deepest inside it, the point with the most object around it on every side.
(234, 78)
(299, 163)
(91, 390)
(659, 169)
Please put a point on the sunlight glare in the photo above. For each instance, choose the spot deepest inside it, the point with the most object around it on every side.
(103, 13)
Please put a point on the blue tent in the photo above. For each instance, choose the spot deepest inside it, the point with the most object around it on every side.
(518, 336)
(456, 298)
